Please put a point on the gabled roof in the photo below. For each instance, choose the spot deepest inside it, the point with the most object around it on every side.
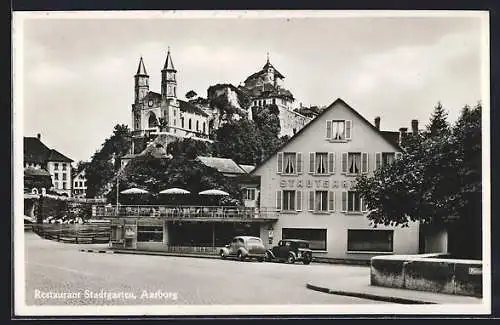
(247, 168)
(223, 165)
(57, 156)
(317, 118)
(141, 69)
(264, 70)
(152, 95)
(190, 108)
(37, 152)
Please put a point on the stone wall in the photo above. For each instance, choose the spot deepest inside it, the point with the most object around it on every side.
(291, 122)
(428, 272)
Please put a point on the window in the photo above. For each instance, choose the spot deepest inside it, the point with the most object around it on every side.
(321, 163)
(189, 124)
(63, 166)
(150, 233)
(370, 240)
(197, 125)
(289, 200)
(182, 122)
(315, 237)
(64, 186)
(338, 130)
(274, 101)
(352, 202)
(354, 163)
(175, 112)
(289, 163)
(204, 127)
(321, 201)
(175, 122)
(56, 176)
(56, 166)
(249, 194)
(384, 159)
(63, 176)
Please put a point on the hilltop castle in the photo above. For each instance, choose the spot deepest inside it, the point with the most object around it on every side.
(155, 112)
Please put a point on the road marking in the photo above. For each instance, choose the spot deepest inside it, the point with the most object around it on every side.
(61, 268)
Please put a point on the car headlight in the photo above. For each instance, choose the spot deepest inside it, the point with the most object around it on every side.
(299, 254)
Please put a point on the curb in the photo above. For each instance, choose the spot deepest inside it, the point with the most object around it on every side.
(96, 251)
(165, 254)
(368, 296)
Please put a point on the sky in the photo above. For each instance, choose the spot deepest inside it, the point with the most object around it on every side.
(77, 72)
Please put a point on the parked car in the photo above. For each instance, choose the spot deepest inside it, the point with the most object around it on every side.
(290, 250)
(244, 247)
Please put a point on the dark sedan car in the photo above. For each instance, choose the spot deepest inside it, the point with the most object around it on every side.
(290, 250)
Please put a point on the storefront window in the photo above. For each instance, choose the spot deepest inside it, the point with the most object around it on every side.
(370, 240)
(150, 233)
(315, 237)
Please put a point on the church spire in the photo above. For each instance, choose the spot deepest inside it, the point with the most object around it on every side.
(267, 57)
(141, 69)
(169, 65)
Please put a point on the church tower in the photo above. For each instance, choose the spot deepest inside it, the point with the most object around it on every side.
(141, 82)
(168, 79)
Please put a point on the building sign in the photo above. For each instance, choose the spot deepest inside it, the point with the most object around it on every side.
(129, 232)
(316, 184)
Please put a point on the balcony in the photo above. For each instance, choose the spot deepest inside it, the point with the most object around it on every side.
(193, 213)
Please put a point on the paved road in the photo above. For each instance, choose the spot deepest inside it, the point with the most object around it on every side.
(56, 268)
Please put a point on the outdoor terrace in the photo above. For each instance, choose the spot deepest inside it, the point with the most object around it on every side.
(208, 213)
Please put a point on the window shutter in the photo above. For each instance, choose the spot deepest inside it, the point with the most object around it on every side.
(328, 129)
(344, 163)
(397, 155)
(378, 160)
(299, 162)
(280, 163)
(298, 196)
(278, 200)
(348, 129)
(331, 162)
(311, 162)
(364, 162)
(311, 200)
(331, 200)
(344, 201)
(364, 208)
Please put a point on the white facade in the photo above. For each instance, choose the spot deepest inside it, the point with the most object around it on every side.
(80, 185)
(61, 176)
(309, 182)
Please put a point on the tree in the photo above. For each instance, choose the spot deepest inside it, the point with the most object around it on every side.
(239, 141)
(438, 123)
(191, 94)
(437, 181)
(105, 162)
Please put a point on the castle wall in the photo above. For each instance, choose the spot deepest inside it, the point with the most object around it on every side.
(291, 122)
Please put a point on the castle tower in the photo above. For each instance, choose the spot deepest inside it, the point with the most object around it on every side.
(168, 79)
(141, 82)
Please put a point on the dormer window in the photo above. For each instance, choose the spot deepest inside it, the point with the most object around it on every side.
(338, 130)
(150, 103)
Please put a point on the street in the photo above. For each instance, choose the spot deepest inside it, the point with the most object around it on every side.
(59, 274)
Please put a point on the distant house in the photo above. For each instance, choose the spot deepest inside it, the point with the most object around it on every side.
(80, 184)
(38, 156)
(225, 166)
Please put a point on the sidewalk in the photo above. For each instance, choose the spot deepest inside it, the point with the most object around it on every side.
(141, 252)
(359, 286)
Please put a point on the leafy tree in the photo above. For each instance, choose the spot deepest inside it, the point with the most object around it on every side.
(239, 141)
(105, 162)
(437, 181)
(189, 148)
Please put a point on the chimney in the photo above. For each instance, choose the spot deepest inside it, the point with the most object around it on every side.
(414, 126)
(377, 122)
(402, 134)
(38, 136)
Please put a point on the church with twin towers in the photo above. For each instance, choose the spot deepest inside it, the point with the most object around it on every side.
(165, 113)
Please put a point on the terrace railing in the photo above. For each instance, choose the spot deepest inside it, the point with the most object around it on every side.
(175, 212)
(74, 233)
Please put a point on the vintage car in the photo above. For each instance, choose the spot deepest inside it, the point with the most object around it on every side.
(290, 250)
(244, 247)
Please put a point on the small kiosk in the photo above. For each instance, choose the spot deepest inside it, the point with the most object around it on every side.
(123, 233)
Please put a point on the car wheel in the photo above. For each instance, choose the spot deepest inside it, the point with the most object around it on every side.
(306, 261)
(261, 259)
(241, 257)
(290, 259)
(222, 255)
(267, 257)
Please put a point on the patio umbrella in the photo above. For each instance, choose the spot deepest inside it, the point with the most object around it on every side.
(175, 190)
(214, 192)
(134, 190)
